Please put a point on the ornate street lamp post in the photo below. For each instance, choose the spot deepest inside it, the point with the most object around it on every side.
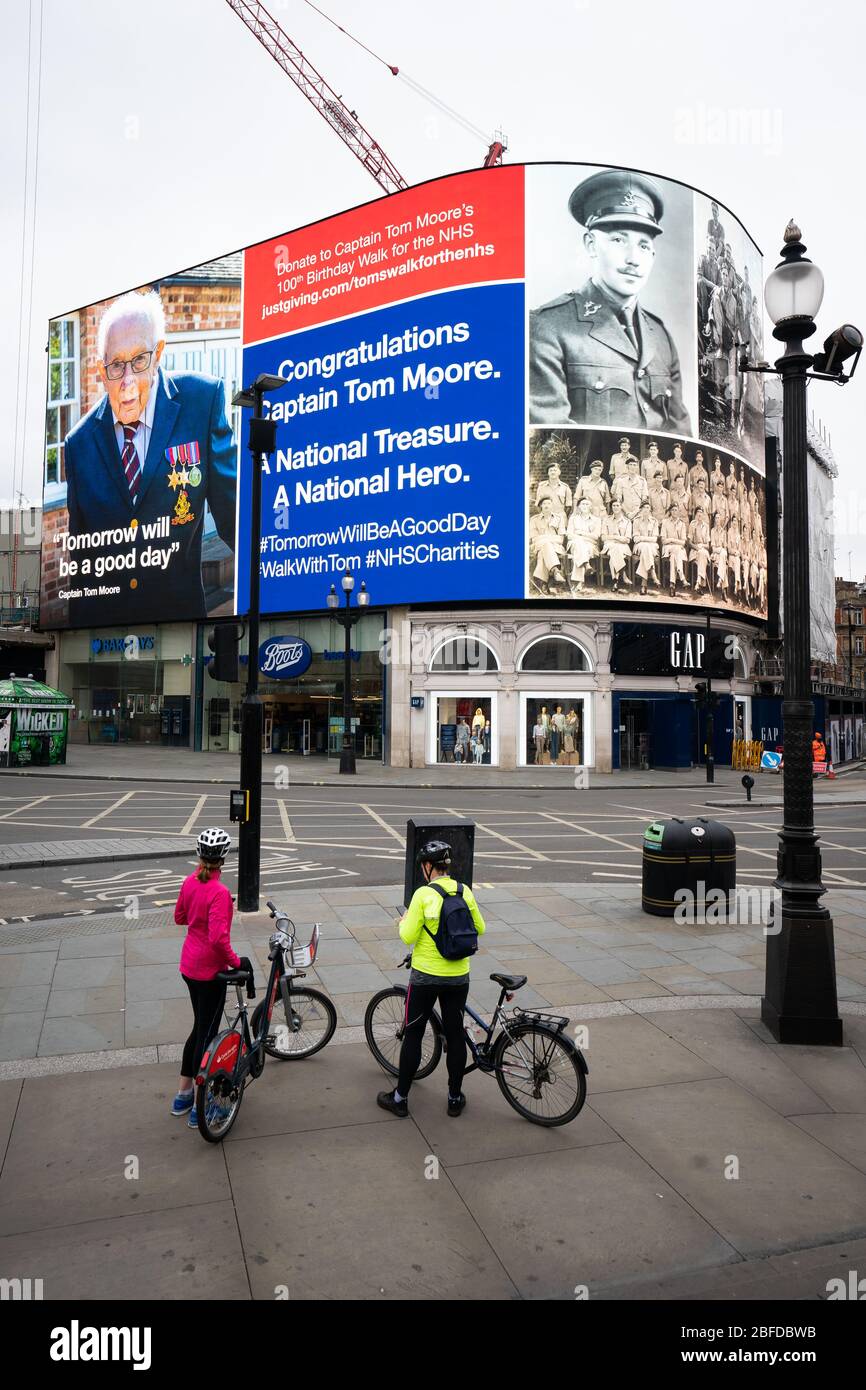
(799, 1003)
(347, 618)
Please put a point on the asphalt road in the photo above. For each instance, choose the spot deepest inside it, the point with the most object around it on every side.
(315, 836)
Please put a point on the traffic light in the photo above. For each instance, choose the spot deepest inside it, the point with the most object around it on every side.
(223, 642)
(701, 698)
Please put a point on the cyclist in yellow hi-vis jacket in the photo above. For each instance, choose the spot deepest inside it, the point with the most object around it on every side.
(442, 925)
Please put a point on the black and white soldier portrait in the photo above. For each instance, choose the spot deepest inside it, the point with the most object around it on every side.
(599, 526)
(617, 348)
(730, 322)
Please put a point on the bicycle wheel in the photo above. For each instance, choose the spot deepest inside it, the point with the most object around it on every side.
(218, 1099)
(383, 1028)
(540, 1074)
(308, 1027)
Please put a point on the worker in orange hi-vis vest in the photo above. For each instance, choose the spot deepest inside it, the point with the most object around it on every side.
(819, 751)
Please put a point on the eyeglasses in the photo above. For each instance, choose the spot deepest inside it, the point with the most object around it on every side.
(116, 371)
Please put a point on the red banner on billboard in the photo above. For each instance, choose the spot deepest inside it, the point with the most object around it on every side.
(461, 231)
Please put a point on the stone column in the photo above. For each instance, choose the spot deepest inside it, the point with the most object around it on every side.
(603, 710)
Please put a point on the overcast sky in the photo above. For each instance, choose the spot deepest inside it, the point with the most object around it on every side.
(168, 136)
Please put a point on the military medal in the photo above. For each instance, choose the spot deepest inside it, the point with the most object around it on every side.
(179, 456)
(182, 510)
(195, 471)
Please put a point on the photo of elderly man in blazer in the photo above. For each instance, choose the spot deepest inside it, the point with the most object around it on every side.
(157, 446)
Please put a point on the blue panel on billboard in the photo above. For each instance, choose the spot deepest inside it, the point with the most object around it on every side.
(400, 452)
(284, 658)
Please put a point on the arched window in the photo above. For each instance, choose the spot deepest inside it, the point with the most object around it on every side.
(741, 665)
(554, 654)
(464, 654)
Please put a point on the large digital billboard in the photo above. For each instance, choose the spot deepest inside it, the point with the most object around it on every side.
(508, 383)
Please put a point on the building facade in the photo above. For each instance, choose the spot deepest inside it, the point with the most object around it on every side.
(851, 632)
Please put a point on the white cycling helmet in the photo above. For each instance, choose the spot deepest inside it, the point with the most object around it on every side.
(213, 845)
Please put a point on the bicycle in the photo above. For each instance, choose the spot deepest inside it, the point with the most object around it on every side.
(532, 1059)
(237, 1056)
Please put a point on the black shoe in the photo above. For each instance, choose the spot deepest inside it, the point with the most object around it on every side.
(456, 1107)
(397, 1107)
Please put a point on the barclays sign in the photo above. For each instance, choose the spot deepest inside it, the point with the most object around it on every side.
(283, 658)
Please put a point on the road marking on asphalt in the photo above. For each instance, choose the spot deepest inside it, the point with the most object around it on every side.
(38, 801)
(623, 844)
(199, 806)
(85, 825)
(633, 878)
(287, 824)
(384, 824)
(525, 849)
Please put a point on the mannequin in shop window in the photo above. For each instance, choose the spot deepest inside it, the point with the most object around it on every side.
(538, 739)
(487, 735)
(557, 732)
(477, 720)
(570, 736)
(464, 734)
(544, 719)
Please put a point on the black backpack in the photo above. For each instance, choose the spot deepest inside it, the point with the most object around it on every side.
(456, 935)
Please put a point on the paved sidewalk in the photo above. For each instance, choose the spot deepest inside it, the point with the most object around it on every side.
(708, 1162)
(132, 762)
(37, 854)
(100, 984)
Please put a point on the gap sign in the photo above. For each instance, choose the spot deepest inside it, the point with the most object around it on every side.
(284, 658)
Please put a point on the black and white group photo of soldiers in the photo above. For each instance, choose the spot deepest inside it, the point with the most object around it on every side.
(640, 516)
(730, 402)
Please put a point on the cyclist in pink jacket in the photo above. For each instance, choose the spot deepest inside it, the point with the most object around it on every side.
(204, 907)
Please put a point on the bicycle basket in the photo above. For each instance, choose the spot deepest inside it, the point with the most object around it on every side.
(303, 956)
(555, 1021)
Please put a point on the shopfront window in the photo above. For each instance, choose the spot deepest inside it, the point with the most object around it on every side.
(554, 730)
(464, 729)
(130, 687)
(303, 717)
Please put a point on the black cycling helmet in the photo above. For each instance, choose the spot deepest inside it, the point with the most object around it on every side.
(435, 852)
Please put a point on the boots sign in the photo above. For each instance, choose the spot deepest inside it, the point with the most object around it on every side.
(654, 649)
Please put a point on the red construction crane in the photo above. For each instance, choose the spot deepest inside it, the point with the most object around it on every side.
(326, 101)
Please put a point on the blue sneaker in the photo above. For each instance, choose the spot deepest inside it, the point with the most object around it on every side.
(192, 1122)
(182, 1102)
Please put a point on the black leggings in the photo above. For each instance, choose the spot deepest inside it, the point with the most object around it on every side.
(420, 1002)
(208, 1001)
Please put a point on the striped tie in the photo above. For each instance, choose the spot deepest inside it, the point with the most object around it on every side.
(130, 460)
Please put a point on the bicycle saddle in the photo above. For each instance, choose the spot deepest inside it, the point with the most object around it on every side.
(233, 977)
(510, 981)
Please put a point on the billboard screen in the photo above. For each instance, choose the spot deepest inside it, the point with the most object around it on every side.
(503, 384)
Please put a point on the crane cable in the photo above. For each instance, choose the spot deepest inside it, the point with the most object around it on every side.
(410, 82)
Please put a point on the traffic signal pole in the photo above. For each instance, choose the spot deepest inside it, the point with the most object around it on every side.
(711, 759)
(261, 443)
